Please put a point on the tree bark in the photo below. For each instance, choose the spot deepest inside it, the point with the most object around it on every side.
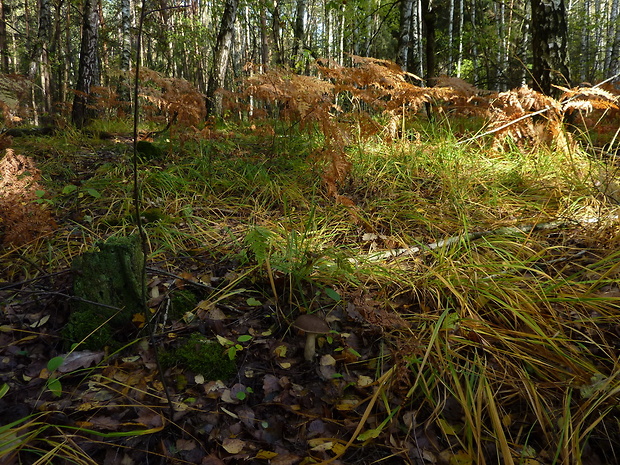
(220, 59)
(88, 73)
(4, 45)
(299, 32)
(264, 38)
(429, 19)
(549, 44)
(612, 58)
(125, 55)
(277, 41)
(39, 60)
(405, 42)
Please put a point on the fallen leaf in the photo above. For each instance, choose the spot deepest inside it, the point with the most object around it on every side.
(320, 445)
(233, 446)
(79, 359)
(41, 322)
(265, 455)
(285, 459)
(280, 351)
(185, 444)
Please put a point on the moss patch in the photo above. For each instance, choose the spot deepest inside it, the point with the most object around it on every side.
(107, 286)
(182, 302)
(201, 356)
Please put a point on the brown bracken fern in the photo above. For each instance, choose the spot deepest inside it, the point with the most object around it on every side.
(21, 218)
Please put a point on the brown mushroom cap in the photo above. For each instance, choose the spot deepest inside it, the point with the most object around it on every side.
(311, 324)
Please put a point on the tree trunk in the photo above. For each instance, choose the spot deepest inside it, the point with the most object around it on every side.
(39, 60)
(125, 52)
(264, 39)
(459, 56)
(275, 30)
(405, 42)
(220, 59)
(450, 36)
(500, 58)
(88, 73)
(614, 54)
(611, 49)
(549, 45)
(299, 32)
(429, 18)
(4, 43)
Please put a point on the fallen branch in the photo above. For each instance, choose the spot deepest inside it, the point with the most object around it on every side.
(524, 229)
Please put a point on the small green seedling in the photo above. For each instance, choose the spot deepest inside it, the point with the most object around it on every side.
(53, 383)
(242, 395)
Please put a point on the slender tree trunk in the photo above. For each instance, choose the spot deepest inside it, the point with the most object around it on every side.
(125, 52)
(275, 30)
(474, 49)
(4, 43)
(459, 56)
(328, 34)
(417, 38)
(39, 61)
(585, 43)
(429, 18)
(613, 64)
(611, 33)
(264, 38)
(549, 44)
(340, 52)
(220, 59)
(405, 42)
(88, 73)
(299, 32)
(500, 61)
(450, 36)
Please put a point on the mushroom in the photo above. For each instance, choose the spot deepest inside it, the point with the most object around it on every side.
(312, 325)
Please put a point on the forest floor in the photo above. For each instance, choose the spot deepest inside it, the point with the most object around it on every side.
(472, 299)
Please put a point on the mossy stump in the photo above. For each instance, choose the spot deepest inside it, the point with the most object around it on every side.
(107, 285)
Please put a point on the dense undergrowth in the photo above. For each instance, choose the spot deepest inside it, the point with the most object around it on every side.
(471, 287)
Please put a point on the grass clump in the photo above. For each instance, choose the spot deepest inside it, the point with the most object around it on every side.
(201, 356)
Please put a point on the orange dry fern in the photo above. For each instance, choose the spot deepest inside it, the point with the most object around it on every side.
(21, 219)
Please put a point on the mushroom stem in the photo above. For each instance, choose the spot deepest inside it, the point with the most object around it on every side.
(310, 348)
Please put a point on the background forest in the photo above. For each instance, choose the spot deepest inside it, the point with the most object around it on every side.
(309, 231)
(489, 44)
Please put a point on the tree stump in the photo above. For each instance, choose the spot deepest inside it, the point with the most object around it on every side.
(107, 286)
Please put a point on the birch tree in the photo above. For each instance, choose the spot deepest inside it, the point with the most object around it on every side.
(221, 55)
(125, 51)
(88, 73)
(549, 45)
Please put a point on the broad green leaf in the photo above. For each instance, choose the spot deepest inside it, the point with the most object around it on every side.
(244, 338)
(252, 302)
(55, 387)
(69, 188)
(3, 390)
(55, 363)
(93, 193)
(329, 292)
